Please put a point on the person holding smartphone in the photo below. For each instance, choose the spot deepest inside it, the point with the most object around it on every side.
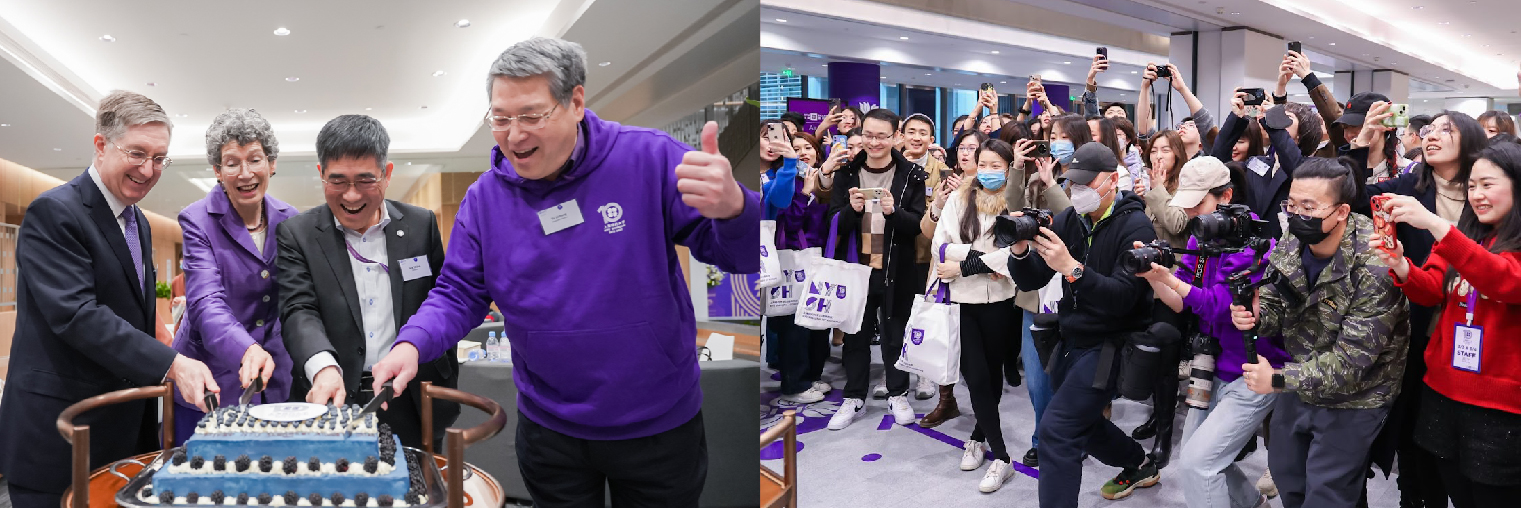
(840, 121)
(886, 225)
(1320, 138)
(1471, 422)
(1192, 128)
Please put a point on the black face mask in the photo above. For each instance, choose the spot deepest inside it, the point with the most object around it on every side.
(1307, 230)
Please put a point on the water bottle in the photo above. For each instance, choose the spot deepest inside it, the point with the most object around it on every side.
(492, 347)
(506, 347)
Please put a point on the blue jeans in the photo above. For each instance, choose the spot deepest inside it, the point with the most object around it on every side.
(1036, 380)
(1211, 440)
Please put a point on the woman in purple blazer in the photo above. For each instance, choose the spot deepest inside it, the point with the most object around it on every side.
(232, 315)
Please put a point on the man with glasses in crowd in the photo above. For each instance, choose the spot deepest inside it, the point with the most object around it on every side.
(573, 234)
(352, 273)
(1344, 323)
(85, 314)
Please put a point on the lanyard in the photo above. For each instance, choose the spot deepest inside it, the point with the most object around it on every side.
(383, 266)
(1473, 299)
(1199, 271)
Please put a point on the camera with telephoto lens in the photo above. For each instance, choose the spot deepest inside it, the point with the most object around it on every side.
(1009, 230)
(1139, 259)
(1201, 377)
(1231, 225)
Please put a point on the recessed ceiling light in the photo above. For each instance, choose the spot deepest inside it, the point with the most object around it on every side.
(1418, 7)
(107, 38)
(150, 83)
(927, 74)
(409, 163)
(293, 79)
(282, 31)
(995, 51)
(604, 64)
(182, 115)
(438, 73)
(903, 38)
(1486, 45)
(1467, 35)
(1003, 82)
(1066, 63)
(367, 109)
(780, 20)
(1424, 100)
(424, 107)
(1333, 44)
(57, 149)
(1235, 14)
(1312, 37)
(1134, 72)
(300, 111)
(1445, 23)
(464, 23)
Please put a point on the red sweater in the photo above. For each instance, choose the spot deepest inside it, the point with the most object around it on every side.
(1497, 277)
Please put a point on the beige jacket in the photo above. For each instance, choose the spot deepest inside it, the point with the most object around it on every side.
(934, 167)
(980, 288)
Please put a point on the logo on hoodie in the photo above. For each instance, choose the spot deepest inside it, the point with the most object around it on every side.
(612, 217)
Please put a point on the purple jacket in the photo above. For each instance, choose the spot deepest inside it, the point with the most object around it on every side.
(231, 298)
(1211, 304)
(800, 224)
(604, 342)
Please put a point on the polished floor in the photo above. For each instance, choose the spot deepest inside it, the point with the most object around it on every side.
(875, 463)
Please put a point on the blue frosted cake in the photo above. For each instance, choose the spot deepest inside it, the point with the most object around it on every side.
(291, 454)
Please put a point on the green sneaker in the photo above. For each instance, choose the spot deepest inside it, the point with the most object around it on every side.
(1130, 479)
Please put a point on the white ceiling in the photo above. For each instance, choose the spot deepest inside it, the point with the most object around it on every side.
(377, 58)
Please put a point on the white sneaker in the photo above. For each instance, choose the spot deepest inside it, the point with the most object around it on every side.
(850, 409)
(926, 389)
(822, 387)
(998, 473)
(902, 412)
(976, 453)
(808, 396)
(880, 392)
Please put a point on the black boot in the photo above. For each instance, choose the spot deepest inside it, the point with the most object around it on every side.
(1148, 429)
(1165, 413)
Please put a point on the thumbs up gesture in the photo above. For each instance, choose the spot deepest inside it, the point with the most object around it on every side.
(706, 181)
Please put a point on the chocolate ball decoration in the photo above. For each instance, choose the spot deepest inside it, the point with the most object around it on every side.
(242, 463)
(291, 498)
(266, 463)
(315, 499)
(385, 500)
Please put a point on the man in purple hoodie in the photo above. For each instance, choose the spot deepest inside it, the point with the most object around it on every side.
(596, 307)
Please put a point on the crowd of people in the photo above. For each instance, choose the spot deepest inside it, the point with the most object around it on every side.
(340, 302)
(1324, 275)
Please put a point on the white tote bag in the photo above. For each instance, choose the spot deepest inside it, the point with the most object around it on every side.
(932, 338)
(781, 299)
(771, 266)
(834, 291)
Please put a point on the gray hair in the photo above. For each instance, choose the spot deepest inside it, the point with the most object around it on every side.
(122, 109)
(353, 137)
(243, 126)
(562, 61)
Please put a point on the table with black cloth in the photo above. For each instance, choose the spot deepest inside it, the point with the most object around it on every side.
(728, 409)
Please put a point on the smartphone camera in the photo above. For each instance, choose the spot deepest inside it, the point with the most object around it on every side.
(1400, 117)
(1296, 47)
(1253, 101)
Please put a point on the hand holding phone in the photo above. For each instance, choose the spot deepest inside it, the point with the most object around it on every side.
(1398, 116)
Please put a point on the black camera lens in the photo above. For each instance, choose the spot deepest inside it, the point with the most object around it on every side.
(1009, 230)
(1139, 259)
(1211, 226)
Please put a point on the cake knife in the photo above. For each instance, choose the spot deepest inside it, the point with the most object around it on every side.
(381, 397)
(248, 393)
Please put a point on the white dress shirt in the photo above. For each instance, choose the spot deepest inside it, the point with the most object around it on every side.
(116, 205)
(373, 286)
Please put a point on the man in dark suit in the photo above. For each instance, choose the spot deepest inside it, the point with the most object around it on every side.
(352, 273)
(85, 313)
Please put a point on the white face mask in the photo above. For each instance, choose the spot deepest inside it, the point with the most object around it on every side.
(1085, 199)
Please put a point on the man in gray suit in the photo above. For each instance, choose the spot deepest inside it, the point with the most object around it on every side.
(352, 273)
(85, 315)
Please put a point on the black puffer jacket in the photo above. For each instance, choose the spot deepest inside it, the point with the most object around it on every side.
(901, 276)
(1107, 303)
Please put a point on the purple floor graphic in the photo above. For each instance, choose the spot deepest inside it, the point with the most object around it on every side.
(815, 416)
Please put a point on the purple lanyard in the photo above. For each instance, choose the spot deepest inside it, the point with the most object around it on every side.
(383, 267)
(1473, 299)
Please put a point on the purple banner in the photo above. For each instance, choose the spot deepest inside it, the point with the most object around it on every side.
(1059, 95)
(813, 111)
(856, 84)
(733, 297)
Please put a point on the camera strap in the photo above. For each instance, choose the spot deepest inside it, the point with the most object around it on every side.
(1199, 260)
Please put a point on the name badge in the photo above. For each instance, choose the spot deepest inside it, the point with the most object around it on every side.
(415, 268)
(1257, 166)
(562, 216)
(1467, 343)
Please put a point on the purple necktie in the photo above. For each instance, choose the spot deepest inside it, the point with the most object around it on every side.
(134, 244)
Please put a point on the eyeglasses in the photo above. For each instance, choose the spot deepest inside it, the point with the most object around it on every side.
(364, 183)
(1445, 129)
(965, 149)
(138, 158)
(884, 137)
(1304, 210)
(236, 167)
(530, 121)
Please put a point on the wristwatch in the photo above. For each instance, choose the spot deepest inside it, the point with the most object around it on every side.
(1077, 273)
(1278, 382)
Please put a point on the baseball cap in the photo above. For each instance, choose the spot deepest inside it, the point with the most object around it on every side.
(1196, 179)
(1090, 160)
(1357, 108)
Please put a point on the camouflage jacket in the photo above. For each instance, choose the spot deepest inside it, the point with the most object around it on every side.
(1348, 333)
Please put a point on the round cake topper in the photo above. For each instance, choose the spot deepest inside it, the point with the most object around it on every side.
(288, 411)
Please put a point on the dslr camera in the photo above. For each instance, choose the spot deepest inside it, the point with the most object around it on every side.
(1139, 259)
(1231, 225)
(1010, 230)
